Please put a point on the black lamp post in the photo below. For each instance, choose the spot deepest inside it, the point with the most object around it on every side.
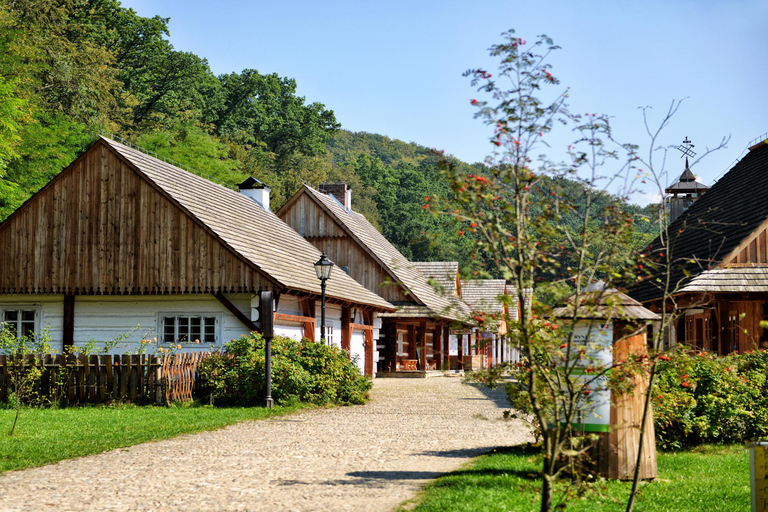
(266, 316)
(323, 269)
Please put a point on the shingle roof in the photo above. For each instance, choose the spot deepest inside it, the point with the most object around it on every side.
(730, 280)
(687, 184)
(606, 305)
(483, 294)
(442, 273)
(387, 255)
(257, 235)
(443, 277)
(713, 226)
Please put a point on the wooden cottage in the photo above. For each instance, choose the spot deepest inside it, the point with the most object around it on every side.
(484, 297)
(415, 337)
(121, 243)
(718, 249)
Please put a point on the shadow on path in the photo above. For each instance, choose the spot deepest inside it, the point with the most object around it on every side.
(498, 396)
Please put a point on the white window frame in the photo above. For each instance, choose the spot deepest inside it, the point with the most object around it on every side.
(37, 308)
(329, 334)
(161, 316)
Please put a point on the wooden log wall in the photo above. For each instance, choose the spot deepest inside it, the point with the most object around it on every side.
(103, 379)
(101, 227)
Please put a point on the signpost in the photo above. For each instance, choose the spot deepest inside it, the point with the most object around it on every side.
(596, 338)
(267, 317)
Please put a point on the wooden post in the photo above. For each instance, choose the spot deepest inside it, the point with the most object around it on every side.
(447, 346)
(93, 379)
(437, 342)
(346, 330)
(389, 329)
(460, 358)
(69, 320)
(158, 369)
(368, 365)
(308, 310)
(369, 342)
(423, 344)
(411, 342)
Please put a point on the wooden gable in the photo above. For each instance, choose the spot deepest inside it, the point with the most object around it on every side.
(312, 222)
(753, 249)
(102, 227)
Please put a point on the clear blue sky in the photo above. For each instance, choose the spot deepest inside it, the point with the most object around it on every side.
(395, 67)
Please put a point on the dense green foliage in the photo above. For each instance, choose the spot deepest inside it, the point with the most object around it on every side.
(71, 69)
(302, 371)
(704, 398)
(706, 479)
(53, 434)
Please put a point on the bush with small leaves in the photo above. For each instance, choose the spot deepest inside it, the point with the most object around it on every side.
(302, 371)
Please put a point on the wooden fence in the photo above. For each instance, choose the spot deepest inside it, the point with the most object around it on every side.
(102, 379)
(179, 375)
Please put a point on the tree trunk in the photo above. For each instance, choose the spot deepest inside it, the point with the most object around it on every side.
(546, 493)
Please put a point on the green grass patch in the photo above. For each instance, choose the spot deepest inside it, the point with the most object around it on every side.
(708, 478)
(44, 436)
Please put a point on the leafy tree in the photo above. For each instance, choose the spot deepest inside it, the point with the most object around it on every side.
(523, 220)
(193, 148)
(266, 108)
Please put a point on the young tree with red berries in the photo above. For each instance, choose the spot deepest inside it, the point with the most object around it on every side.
(532, 230)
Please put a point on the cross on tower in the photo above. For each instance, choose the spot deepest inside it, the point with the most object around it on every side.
(686, 149)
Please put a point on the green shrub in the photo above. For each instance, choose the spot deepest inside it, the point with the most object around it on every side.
(704, 398)
(301, 372)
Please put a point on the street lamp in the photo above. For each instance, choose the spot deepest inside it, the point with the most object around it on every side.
(323, 269)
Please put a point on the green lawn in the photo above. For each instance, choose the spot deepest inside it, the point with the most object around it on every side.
(44, 436)
(710, 478)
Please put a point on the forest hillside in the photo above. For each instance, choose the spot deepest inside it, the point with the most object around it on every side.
(73, 69)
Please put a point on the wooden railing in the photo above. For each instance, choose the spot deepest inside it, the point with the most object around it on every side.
(104, 379)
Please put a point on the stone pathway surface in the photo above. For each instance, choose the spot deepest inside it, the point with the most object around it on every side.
(358, 458)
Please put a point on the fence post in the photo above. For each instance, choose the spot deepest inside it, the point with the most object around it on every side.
(158, 380)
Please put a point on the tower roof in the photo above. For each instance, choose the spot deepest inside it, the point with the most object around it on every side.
(686, 184)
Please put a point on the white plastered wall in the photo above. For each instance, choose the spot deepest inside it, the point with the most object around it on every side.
(135, 317)
(50, 308)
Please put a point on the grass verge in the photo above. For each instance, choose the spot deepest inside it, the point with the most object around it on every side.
(709, 478)
(44, 436)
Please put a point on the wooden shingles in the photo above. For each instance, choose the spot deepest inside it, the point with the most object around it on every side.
(483, 294)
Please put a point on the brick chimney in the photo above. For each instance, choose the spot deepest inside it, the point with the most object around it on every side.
(340, 192)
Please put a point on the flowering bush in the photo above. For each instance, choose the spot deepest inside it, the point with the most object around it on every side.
(302, 371)
(703, 398)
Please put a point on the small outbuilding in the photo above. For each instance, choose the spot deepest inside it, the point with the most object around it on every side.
(612, 327)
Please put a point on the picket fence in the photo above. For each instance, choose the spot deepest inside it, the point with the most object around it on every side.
(103, 379)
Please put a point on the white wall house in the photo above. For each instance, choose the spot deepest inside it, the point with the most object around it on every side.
(122, 246)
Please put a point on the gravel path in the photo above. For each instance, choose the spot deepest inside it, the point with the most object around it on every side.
(369, 457)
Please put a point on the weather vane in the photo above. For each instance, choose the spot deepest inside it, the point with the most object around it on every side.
(686, 149)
